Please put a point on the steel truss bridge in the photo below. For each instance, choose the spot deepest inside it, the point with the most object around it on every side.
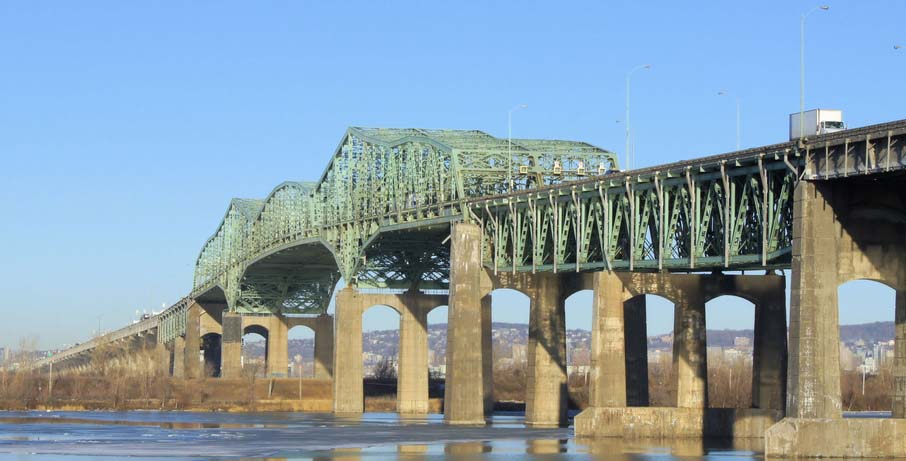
(379, 216)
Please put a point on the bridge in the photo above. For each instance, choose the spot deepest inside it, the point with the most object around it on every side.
(415, 219)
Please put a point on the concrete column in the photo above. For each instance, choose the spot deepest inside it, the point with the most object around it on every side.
(231, 346)
(487, 355)
(162, 359)
(690, 353)
(412, 384)
(636, 343)
(324, 347)
(814, 372)
(179, 357)
(899, 360)
(192, 360)
(348, 390)
(769, 359)
(464, 391)
(277, 347)
(546, 394)
(608, 354)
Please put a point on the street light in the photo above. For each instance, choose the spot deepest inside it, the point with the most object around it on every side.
(628, 88)
(509, 145)
(802, 66)
(727, 93)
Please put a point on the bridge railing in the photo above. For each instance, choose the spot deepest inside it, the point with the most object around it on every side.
(128, 331)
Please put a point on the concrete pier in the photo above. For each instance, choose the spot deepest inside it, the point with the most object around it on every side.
(690, 353)
(842, 230)
(191, 360)
(615, 311)
(231, 346)
(179, 357)
(546, 393)
(347, 384)
(412, 379)
(465, 384)
(324, 340)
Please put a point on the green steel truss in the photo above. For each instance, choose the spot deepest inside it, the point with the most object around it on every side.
(378, 216)
(731, 211)
(702, 217)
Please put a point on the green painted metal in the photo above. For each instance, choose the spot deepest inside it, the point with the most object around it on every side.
(379, 182)
(379, 216)
(705, 217)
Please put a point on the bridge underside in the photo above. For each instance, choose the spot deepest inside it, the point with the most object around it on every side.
(299, 279)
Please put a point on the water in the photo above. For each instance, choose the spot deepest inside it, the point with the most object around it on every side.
(39, 436)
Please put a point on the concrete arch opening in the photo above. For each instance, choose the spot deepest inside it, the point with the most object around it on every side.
(254, 351)
(868, 346)
(510, 315)
(381, 357)
(301, 351)
(654, 318)
(730, 351)
(437, 351)
(578, 309)
(212, 354)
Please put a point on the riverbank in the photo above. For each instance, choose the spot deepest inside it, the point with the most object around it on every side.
(88, 393)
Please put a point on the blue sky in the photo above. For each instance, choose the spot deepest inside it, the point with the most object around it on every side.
(126, 127)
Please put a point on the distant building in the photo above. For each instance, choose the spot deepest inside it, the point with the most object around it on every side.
(848, 360)
(742, 342)
(519, 353)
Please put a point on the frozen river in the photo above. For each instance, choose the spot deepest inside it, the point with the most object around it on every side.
(190, 436)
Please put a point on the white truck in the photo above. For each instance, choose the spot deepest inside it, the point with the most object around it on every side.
(817, 121)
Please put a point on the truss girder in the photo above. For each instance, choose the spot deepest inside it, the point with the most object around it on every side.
(731, 216)
(377, 181)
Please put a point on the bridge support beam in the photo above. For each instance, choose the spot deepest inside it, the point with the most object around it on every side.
(324, 347)
(348, 389)
(546, 394)
(277, 347)
(464, 393)
(179, 357)
(843, 230)
(487, 355)
(899, 361)
(690, 352)
(191, 360)
(769, 354)
(412, 385)
(231, 346)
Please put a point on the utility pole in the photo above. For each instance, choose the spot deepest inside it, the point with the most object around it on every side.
(802, 67)
(628, 128)
(50, 384)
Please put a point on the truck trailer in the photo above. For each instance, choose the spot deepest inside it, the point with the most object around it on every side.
(817, 121)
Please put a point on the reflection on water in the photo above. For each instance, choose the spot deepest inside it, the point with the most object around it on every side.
(57, 436)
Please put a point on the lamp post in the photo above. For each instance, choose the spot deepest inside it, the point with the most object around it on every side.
(628, 91)
(802, 65)
(509, 145)
(727, 93)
